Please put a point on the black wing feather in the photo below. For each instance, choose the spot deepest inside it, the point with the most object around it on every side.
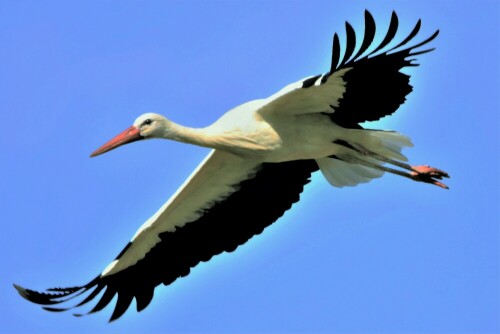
(375, 87)
(350, 43)
(125, 297)
(422, 43)
(412, 34)
(144, 297)
(108, 295)
(335, 52)
(369, 34)
(91, 296)
(222, 228)
(391, 32)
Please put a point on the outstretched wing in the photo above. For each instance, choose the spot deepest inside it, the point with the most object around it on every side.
(223, 204)
(375, 87)
(364, 86)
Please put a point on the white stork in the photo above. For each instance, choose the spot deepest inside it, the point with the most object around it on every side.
(263, 153)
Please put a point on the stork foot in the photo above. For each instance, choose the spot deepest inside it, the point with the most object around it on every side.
(431, 171)
(429, 174)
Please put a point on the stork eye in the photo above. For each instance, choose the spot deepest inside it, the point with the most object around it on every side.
(147, 122)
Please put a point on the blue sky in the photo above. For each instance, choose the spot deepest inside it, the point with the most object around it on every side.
(390, 256)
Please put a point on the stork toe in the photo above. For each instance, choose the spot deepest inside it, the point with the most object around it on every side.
(429, 174)
(430, 171)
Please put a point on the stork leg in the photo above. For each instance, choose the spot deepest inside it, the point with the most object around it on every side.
(418, 170)
(418, 173)
(421, 173)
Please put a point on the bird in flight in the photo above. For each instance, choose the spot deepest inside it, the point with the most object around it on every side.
(263, 154)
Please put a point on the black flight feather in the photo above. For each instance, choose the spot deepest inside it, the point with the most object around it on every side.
(225, 226)
(350, 43)
(374, 85)
(335, 52)
(369, 34)
(391, 32)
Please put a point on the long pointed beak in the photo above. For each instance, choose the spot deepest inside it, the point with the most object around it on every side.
(128, 136)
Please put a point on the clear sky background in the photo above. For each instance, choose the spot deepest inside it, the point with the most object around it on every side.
(391, 256)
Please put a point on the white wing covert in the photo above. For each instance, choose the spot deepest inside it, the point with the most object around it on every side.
(310, 95)
(217, 176)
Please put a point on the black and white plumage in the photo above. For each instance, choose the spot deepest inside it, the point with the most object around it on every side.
(264, 152)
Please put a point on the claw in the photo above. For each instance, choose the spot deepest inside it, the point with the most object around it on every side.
(439, 184)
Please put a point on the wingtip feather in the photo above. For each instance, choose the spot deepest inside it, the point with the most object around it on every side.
(20, 290)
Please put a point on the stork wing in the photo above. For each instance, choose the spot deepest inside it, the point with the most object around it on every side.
(358, 88)
(223, 204)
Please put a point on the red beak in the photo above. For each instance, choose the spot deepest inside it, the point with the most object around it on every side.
(128, 136)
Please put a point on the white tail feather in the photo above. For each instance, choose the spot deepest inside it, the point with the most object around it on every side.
(390, 144)
(340, 173)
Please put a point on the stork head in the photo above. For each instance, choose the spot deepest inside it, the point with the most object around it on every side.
(146, 126)
(152, 125)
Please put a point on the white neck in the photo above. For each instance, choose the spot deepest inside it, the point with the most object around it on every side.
(199, 137)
